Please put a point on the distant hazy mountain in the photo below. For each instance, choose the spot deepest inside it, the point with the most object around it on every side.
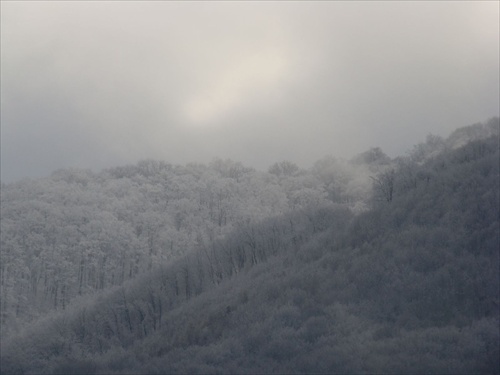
(161, 269)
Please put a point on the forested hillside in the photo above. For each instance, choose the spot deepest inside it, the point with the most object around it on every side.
(370, 265)
(77, 232)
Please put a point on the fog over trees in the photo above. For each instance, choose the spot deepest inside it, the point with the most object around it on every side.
(368, 265)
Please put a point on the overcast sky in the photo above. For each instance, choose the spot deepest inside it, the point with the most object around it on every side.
(92, 84)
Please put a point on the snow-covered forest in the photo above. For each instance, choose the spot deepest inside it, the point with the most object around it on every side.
(368, 265)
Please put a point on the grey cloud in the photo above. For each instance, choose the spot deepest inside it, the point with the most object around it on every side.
(92, 84)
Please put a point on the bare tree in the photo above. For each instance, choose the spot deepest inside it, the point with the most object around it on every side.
(384, 185)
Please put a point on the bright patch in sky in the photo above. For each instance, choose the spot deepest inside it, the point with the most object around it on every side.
(248, 80)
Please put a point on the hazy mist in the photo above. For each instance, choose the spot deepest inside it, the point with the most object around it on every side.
(96, 84)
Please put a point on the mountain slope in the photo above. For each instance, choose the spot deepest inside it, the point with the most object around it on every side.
(76, 232)
(410, 286)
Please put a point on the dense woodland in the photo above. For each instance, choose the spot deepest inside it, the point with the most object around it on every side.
(368, 265)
